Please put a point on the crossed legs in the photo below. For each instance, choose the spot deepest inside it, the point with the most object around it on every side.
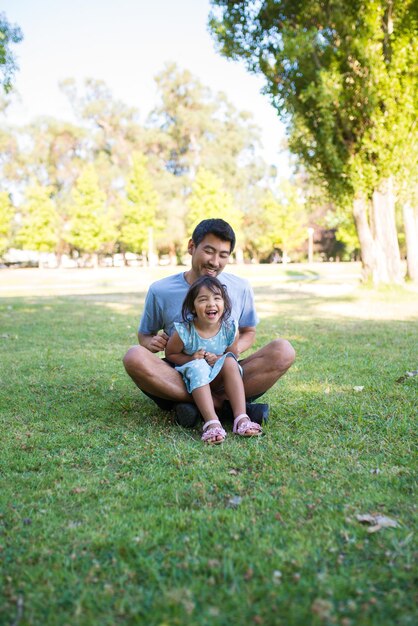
(261, 370)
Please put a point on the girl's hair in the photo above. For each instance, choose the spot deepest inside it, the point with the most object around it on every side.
(215, 286)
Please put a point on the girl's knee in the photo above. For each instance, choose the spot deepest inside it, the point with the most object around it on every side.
(230, 363)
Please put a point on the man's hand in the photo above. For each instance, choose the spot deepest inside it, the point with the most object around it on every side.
(154, 343)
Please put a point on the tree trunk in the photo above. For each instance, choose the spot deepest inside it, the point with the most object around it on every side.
(239, 255)
(172, 253)
(389, 265)
(367, 245)
(410, 218)
(378, 236)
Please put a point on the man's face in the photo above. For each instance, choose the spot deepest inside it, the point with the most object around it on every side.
(210, 256)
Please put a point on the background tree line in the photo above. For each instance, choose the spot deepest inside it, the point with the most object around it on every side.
(96, 187)
(343, 77)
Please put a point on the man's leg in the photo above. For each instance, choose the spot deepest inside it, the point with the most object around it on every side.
(154, 376)
(162, 383)
(264, 368)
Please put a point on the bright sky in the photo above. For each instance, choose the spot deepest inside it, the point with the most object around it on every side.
(126, 43)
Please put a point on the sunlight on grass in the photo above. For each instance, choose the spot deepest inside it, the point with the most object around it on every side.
(110, 513)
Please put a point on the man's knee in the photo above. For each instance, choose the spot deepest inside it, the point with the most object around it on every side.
(283, 353)
(132, 359)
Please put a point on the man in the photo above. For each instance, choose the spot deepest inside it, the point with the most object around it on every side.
(210, 247)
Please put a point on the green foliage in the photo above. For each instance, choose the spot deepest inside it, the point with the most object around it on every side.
(6, 222)
(40, 221)
(139, 210)
(279, 222)
(192, 131)
(9, 34)
(186, 115)
(209, 199)
(346, 230)
(342, 75)
(87, 213)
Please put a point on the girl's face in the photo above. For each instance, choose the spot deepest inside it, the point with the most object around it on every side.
(208, 306)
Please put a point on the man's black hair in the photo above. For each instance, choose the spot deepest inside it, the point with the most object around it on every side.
(217, 227)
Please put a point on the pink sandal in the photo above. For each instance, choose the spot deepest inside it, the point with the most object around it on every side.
(241, 426)
(213, 432)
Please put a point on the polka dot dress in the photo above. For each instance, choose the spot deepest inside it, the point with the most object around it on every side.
(198, 373)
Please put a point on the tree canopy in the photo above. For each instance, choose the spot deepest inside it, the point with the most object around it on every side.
(344, 78)
(9, 34)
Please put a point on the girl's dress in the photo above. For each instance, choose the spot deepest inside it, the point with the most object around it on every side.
(198, 373)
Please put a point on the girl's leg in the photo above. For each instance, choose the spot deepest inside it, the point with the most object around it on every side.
(235, 392)
(204, 402)
(234, 386)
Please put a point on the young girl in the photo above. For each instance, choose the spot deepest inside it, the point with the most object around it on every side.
(203, 347)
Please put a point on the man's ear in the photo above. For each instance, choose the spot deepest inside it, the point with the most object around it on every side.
(190, 246)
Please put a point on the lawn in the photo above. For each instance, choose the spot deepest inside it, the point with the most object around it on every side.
(110, 514)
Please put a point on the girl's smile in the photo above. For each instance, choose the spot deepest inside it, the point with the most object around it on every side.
(208, 306)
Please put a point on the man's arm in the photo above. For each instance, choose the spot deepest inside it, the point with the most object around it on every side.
(153, 343)
(246, 339)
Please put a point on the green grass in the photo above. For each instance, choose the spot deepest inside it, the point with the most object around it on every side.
(110, 514)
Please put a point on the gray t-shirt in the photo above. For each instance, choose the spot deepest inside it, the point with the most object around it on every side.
(165, 298)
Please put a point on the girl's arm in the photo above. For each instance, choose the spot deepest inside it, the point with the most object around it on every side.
(174, 351)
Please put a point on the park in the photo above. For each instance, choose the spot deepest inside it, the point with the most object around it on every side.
(122, 126)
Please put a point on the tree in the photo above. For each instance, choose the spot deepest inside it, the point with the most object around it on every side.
(9, 34)
(140, 207)
(113, 127)
(193, 128)
(208, 199)
(39, 230)
(344, 78)
(87, 213)
(6, 222)
(279, 222)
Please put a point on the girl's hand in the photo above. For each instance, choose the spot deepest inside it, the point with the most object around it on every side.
(211, 358)
(199, 354)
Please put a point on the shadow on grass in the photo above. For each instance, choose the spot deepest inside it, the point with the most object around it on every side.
(302, 275)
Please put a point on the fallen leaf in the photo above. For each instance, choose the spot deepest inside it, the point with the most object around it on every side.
(377, 522)
(234, 502)
(249, 574)
(358, 388)
(407, 375)
(277, 576)
(322, 608)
